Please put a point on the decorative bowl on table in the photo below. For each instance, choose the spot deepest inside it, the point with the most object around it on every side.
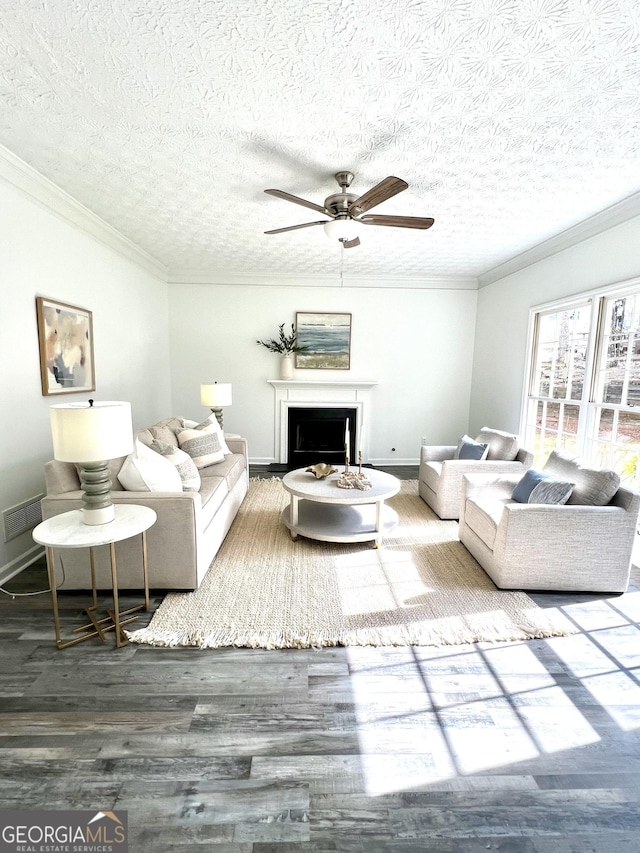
(321, 470)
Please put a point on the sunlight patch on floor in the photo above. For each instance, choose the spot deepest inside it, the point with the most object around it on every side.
(620, 694)
(471, 712)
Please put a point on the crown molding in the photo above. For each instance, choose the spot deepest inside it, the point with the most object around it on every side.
(46, 194)
(606, 219)
(293, 280)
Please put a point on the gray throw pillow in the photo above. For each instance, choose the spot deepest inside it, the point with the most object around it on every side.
(185, 466)
(538, 488)
(469, 449)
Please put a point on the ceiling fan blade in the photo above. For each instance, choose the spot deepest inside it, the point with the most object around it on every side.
(295, 227)
(296, 200)
(349, 244)
(376, 195)
(422, 222)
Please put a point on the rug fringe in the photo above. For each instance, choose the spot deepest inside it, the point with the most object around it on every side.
(229, 638)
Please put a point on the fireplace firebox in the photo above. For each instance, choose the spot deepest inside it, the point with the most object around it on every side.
(317, 435)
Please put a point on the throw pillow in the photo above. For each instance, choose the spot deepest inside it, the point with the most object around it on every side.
(538, 488)
(469, 449)
(185, 466)
(202, 445)
(503, 446)
(213, 421)
(144, 470)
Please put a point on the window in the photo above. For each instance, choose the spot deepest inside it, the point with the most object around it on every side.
(583, 393)
(613, 438)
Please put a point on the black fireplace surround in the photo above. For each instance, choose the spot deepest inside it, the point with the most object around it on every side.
(317, 435)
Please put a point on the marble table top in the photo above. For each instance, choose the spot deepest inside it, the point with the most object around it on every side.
(69, 531)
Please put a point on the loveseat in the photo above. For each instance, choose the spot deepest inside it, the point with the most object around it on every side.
(195, 505)
(582, 545)
(442, 467)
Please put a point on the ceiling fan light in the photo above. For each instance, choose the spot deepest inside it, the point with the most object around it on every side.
(341, 229)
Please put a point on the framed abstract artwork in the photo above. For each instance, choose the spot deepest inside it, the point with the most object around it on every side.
(326, 338)
(65, 335)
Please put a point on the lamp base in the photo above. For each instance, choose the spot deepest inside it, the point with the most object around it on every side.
(98, 516)
(218, 414)
(97, 507)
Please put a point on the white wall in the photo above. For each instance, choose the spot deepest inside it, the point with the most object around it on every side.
(503, 316)
(42, 255)
(418, 344)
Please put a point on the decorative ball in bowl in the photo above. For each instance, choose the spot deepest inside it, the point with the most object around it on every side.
(322, 470)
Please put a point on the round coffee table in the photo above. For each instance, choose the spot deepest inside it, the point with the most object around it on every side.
(320, 509)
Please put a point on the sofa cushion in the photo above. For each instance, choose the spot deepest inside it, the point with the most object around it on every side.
(537, 487)
(185, 466)
(230, 469)
(212, 492)
(202, 444)
(144, 470)
(469, 449)
(503, 446)
(593, 486)
(483, 515)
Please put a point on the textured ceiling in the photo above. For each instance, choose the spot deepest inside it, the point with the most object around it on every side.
(511, 120)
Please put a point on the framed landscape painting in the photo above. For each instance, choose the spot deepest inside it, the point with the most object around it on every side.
(326, 338)
(65, 336)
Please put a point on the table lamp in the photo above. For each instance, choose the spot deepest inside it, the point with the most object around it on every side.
(89, 434)
(216, 396)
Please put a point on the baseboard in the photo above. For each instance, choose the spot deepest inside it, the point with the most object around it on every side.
(10, 570)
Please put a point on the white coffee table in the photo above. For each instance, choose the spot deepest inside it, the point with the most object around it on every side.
(319, 509)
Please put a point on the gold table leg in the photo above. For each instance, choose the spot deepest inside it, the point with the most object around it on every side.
(115, 618)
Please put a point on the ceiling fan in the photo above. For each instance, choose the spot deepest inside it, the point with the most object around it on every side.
(346, 210)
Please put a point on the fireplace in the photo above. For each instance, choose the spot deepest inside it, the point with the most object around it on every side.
(318, 434)
(329, 394)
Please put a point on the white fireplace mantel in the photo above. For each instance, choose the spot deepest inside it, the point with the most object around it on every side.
(314, 393)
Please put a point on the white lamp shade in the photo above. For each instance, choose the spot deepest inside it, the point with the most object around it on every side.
(216, 395)
(85, 433)
(341, 229)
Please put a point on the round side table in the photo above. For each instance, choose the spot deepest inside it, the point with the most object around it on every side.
(69, 531)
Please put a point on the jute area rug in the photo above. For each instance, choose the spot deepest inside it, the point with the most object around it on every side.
(422, 587)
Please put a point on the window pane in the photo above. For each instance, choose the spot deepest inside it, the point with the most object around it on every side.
(633, 385)
(570, 420)
(578, 371)
(605, 425)
(613, 378)
(618, 442)
(619, 370)
(561, 353)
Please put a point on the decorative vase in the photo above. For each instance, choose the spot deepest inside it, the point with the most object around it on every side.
(286, 366)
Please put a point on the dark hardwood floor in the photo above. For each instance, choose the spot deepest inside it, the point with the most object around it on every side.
(529, 747)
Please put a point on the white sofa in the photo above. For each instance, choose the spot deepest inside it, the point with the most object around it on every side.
(440, 473)
(584, 545)
(190, 527)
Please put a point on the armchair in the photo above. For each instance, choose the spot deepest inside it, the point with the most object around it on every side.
(440, 474)
(576, 546)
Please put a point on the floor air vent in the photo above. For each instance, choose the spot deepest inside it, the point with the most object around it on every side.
(19, 519)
